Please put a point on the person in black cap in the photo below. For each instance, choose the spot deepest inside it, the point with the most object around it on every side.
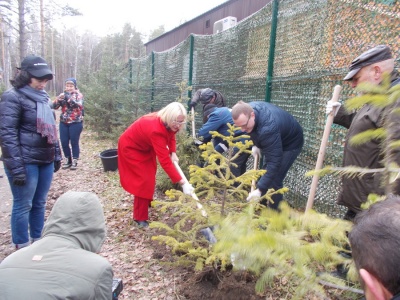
(30, 148)
(369, 67)
(71, 122)
(207, 96)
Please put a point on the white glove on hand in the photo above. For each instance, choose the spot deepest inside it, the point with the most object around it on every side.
(198, 142)
(256, 193)
(187, 188)
(255, 151)
(330, 105)
(174, 158)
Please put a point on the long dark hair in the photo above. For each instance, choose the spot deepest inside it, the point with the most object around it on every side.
(23, 78)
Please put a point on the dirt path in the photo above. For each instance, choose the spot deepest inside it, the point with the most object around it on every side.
(140, 262)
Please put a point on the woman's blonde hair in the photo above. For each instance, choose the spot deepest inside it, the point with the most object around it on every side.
(169, 113)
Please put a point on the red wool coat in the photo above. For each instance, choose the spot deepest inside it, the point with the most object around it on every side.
(138, 147)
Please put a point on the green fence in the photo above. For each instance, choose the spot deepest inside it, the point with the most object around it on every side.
(294, 63)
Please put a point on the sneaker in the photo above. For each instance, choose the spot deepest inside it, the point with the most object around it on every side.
(142, 224)
(74, 164)
(67, 163)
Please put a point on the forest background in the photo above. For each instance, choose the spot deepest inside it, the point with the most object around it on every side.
(27, 27)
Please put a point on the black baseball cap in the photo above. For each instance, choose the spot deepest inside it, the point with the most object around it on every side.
(374, 55)
(36, 66)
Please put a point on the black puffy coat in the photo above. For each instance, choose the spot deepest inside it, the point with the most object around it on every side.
(275, 131)
(19, 140)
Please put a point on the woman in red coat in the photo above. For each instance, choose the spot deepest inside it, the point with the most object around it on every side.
(148, 139)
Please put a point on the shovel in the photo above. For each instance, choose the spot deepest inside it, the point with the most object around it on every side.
(193, 122)
(255, 167)
(322, 149)
(207, 232)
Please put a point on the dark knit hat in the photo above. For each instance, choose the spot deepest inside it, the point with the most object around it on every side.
(36, 66)
(205, 95)
(374, 55)
(71, 80)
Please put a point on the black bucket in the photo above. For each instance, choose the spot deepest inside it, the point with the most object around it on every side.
(109, 158)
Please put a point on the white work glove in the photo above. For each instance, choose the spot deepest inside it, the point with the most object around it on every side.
(198, 142)
(330, 105)
(187, 188)
(174, 158)
(255, 151)
(254, 194)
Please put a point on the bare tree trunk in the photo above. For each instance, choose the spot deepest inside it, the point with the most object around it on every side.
(53, 62)
(22, 30)
(42, 30)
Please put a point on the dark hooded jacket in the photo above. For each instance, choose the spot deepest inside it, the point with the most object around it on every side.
(274, 132)
(368, 155)
(64, 263)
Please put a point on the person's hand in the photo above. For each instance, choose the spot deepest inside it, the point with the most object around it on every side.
(254, 194)
(19, 180)
(255, 151)
(174, 157)
(57, 165)
(330, 105)
(192, 104)
(187, 188)
(197, 142)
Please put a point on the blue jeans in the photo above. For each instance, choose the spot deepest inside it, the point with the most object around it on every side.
(29, 203)
(288, 159)
(70, 133)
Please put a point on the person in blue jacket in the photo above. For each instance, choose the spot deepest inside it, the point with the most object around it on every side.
(277, 136)
(217, 120)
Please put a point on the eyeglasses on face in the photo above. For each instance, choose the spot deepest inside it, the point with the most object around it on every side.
(177, 123)
(245, 125)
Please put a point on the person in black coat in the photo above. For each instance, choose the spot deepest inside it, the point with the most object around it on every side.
(30, 148)
(277, 137)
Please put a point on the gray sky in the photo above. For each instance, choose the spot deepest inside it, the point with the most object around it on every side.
(107, 17)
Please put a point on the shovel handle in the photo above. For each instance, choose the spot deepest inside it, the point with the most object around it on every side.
(193, 123)
(199, 206)
(322, 149)
(255, 167)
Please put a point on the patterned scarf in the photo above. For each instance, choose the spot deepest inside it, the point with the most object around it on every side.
(45, 123)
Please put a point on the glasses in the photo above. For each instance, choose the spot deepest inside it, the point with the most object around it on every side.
(178, 123)
(245, 125)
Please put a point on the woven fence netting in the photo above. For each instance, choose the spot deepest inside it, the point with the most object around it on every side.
(312, 47)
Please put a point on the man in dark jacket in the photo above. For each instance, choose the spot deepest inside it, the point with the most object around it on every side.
(64, 263)
(369, 67)
(207, 96)
(276, 135)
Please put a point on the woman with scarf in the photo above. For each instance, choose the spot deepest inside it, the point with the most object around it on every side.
(29, 146)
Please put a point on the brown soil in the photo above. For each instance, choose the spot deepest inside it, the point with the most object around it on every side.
(144, 265)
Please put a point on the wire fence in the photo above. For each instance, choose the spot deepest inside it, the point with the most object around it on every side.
(294, 63)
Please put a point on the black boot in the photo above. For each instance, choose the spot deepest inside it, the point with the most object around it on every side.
(67, 163)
